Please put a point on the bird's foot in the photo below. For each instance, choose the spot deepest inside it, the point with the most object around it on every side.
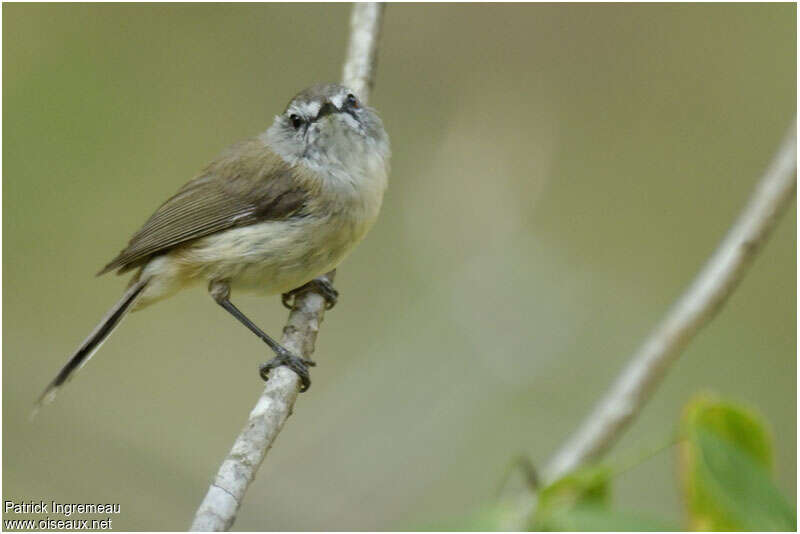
(295, 363)
(321, 284)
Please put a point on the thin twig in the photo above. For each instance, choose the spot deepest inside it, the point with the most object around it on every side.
(218, 510)
(362, 53)
(700, 303)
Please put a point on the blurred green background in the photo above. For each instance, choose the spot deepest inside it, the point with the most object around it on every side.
(559, 174)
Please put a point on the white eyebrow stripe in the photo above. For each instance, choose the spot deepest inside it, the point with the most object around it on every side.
(338, 100)
(307, 110)
(310, 109)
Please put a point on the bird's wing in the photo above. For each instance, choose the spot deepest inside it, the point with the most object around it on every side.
(249, 184)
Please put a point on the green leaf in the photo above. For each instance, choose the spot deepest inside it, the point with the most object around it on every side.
(580, 501)
(736, 423)
(741, 489)
(725, 464)
(587, 485)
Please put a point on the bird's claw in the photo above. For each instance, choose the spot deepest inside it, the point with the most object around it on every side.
(322, 285)
(295, 363)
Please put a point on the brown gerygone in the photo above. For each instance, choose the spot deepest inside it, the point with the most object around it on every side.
(271, 214)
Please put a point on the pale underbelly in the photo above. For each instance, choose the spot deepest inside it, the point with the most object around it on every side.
(270, 257)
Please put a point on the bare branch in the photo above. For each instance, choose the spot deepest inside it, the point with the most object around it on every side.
(694, 309)
(699, 304)
(218, 510)
(362, 53)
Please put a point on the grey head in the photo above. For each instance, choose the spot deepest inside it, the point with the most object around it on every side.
(326, 127)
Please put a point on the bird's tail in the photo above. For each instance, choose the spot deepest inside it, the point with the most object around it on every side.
(91, 343)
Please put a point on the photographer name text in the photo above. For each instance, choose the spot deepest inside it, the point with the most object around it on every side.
(53, 507)
(66, 509)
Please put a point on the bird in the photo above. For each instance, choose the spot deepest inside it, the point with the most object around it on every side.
(271, 214)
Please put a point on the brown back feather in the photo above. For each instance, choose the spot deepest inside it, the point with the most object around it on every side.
(248, 184)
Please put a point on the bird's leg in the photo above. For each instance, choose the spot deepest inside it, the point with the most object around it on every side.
(220, 291)
(321, 284)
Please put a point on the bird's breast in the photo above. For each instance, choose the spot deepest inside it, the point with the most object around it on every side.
(276, 256)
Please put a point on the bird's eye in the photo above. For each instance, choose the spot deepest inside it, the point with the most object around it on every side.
(352, 101)
(296, 120)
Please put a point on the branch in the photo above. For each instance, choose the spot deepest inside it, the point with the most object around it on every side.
(362, 53)
(218, 510)
(701, 302)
